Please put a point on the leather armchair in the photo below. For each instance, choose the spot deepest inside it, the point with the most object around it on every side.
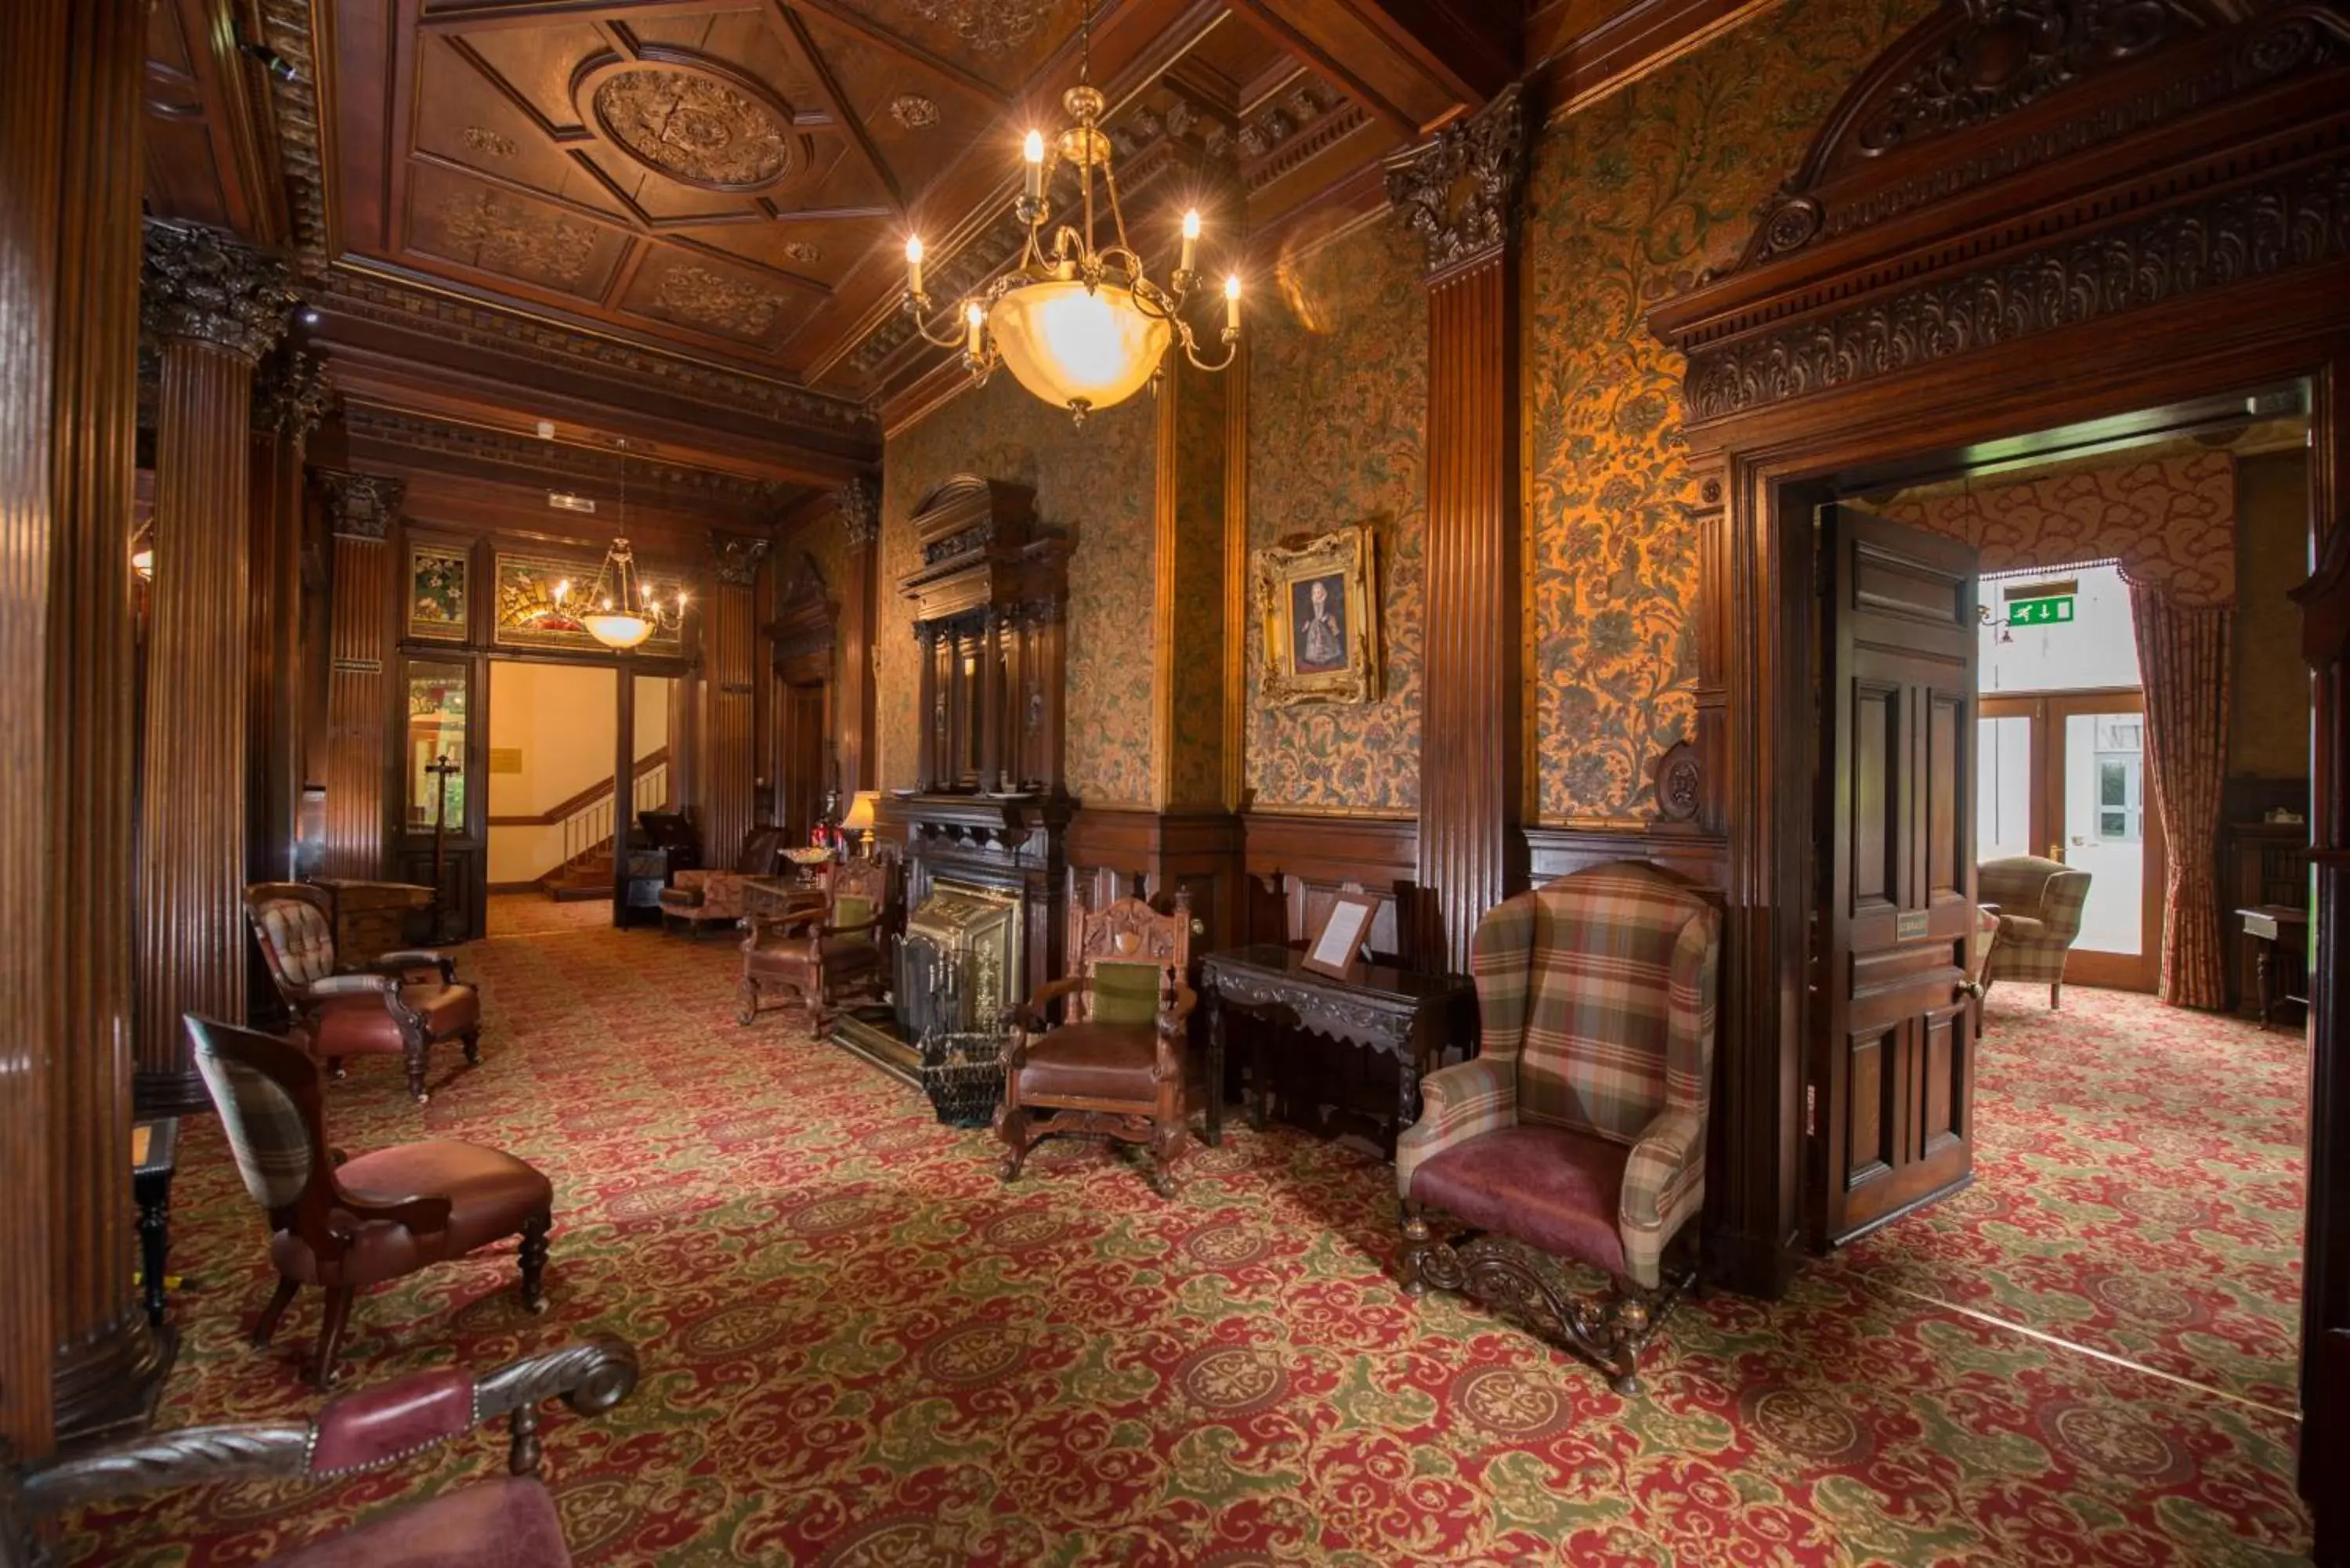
(345, 1224)
(698, 899)
(821, 954)
(2039, 904)
(1116, 1067)
(1579, 1127)
(397, 1003)
(505, 1522)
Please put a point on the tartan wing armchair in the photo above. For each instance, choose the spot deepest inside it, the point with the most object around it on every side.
(2039, 904)
(1579, 1128)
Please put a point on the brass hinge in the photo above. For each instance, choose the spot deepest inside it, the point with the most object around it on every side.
(1811, 1110)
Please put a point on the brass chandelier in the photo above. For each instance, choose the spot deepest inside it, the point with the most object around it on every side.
(1080, 325)
(618, 609)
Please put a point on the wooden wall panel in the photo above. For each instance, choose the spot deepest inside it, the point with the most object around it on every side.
(1115, 853)
(729, 729)
(34, 47)
(108, 1363)
(858, 516)
(358, 696)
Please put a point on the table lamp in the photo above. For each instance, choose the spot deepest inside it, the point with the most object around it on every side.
(859, 819)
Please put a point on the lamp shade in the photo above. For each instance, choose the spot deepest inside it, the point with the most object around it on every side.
(618, 628)
(1068, 345)
(860, 812)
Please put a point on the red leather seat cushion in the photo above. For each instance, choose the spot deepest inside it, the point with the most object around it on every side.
(490, 1194)
(1551, 1189)
(364, 1025)
(1091, 1062)
(507, 1521)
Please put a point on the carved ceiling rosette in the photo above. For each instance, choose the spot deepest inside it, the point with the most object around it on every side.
(693, 124)
(363, 505)
(291, 395)
(197, 284)
(737, 558)
(1460, 191)
(859, 509)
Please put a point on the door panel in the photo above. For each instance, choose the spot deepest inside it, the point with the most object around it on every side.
(1894, 1062)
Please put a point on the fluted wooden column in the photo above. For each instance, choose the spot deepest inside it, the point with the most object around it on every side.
(360, 510)
(289, 399)
(1457, 192)
(730, 648)
(109, 1365)
(215, 307)
(859, 511)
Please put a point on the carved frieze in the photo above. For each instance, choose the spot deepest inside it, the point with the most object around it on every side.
(197, 284)
(2295, 221)
(491, 144)
(363, 505)
(1460, 191)
(859, 510)
(507, 234)
(737, 558)
(691, 125)
(291, 394)
(707, 298)
(988, 26)
(294, 97)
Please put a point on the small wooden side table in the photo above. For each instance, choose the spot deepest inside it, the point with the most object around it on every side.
(1389, 1012)
(154, 1155)
(2282, 964)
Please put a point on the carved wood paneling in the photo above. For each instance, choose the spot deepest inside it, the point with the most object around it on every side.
(730, 719)
(859, 510)
(33, 48)
(359, 710)
(108, 1362)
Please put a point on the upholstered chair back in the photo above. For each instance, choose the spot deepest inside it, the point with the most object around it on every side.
(296, 939)
(1600, 987)
(761, 847)
(860, 892)
(1132, 954)
(2036, 889)
(272, 1135)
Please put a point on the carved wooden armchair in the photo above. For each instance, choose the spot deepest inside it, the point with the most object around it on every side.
(344, 1224)
(822, 954)
(1579, 1128)
(397, 1003)
(2039, 903)
(505, 1522)
(1115, 1069)
(699, 899)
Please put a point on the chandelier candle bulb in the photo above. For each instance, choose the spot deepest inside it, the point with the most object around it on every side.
(976, 318)
(914, 265)
(1190, 238)
(1032, 150)
(1232, 304)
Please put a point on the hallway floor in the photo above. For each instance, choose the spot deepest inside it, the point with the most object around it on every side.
(859, 1348)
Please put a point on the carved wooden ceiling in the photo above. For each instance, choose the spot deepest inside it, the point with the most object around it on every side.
(693, 211)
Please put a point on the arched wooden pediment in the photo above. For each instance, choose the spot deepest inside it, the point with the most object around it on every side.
(968, 511)
(805, 613)
(2009, 167)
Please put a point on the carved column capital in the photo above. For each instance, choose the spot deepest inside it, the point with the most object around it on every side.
(1460, 190)
(738, 558)
(196, 284)
(860, 513)
(363, 505)
(291, 395)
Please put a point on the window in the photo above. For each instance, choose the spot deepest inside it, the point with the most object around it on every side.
(2121, 778)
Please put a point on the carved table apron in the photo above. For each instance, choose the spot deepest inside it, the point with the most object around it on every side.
(1392, 1013)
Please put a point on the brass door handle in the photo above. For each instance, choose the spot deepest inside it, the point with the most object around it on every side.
(1972, 988)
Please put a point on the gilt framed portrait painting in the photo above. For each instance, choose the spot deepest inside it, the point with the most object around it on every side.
(1319, 598)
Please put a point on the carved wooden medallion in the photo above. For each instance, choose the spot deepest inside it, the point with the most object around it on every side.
(698, 294)
(695, 128)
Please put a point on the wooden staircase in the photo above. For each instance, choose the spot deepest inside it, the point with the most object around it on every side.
(588, 874)
(585, 870)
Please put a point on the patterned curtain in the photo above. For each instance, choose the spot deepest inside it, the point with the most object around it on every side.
(2182, 656)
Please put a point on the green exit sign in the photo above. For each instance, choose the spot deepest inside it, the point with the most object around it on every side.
(2039, 612)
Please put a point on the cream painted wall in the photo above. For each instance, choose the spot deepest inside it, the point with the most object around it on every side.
(561, 718)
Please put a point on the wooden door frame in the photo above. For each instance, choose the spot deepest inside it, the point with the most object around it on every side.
(2046, 708)
(2152, 226)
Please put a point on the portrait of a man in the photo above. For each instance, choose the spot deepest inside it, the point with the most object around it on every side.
(1318, 619)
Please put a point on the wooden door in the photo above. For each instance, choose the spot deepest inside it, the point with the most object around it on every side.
(804, 771)
(1890, 1096)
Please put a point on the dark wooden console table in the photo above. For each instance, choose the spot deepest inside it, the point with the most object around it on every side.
(1395, 1012)
(2281, 970)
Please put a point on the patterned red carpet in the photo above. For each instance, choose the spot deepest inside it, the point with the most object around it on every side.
(534, 913)
(859, 1348)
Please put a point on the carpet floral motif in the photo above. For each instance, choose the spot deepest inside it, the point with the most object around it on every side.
(859, 1347)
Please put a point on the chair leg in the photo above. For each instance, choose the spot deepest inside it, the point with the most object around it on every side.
(323, 1370)
(274, 1314)
(1165, 1149)
(335, 1068)
(1011, 1126)
(472, 1039)
(1626, 1330)
(2055, 994)
(748, 1012)
(1414, 1242)
(416, 1089)
(533, 1260)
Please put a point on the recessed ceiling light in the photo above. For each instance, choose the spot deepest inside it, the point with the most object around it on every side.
(547, 430)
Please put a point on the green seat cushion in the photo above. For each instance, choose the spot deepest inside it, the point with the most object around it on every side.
(1127, 993)
(850, 910)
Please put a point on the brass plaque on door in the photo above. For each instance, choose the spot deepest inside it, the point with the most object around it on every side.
(1909, 925)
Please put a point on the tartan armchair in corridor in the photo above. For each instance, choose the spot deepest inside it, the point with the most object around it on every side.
(2039, 903)
(1579, 1128)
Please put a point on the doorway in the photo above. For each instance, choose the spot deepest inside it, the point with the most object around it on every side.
(802, 765)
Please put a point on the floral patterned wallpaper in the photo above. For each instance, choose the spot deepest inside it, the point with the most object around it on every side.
(1337, 396)
(2169, 521)
(1096, 483)
(1627, 201)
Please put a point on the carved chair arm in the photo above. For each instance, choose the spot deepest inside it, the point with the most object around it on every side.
(361, 1430)
(405, 958)
(1173, 1017)
(1457, 1104)
(1664, 1182)
(1029, 1016)
(359, 983)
